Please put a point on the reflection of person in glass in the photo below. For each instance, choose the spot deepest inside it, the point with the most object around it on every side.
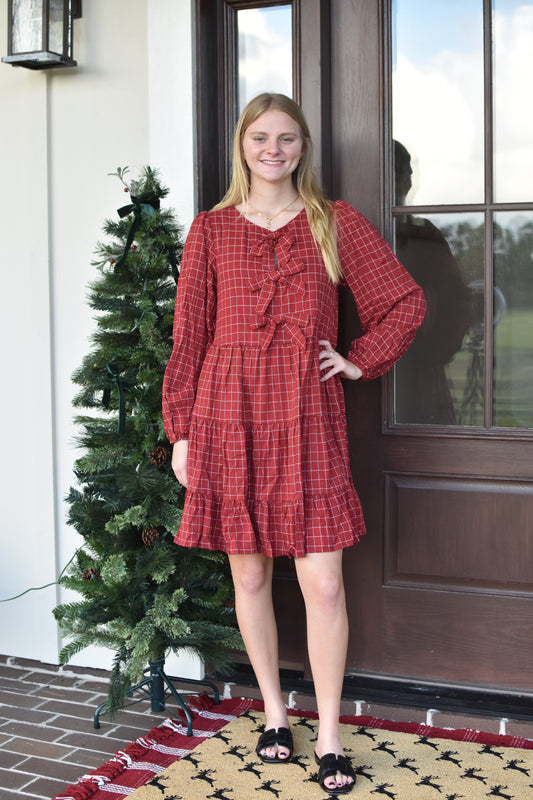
(422, 390)
(253, 402)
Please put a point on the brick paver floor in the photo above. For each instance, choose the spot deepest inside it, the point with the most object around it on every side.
(47, 737)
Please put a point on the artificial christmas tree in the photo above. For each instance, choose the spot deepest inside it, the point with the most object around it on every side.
(141, 595)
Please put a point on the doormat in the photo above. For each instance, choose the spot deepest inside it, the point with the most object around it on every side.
(400, 761)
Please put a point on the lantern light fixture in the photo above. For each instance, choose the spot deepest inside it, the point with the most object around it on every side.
(40, 33)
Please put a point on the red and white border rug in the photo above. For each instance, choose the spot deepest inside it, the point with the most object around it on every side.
(140, 761)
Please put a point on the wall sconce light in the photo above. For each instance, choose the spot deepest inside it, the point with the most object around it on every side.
(40, 33)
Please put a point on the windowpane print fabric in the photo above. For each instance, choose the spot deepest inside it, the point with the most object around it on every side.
(268, 467)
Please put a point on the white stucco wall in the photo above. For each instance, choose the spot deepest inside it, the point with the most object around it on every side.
(129, 102)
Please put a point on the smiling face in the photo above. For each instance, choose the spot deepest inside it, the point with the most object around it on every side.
(272, 146)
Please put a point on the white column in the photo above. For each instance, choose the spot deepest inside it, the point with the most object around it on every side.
(172, 151)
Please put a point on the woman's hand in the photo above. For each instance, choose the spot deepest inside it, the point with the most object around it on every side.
(336, 364)
(179, 460)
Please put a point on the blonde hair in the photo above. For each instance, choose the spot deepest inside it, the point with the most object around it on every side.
(319, 210)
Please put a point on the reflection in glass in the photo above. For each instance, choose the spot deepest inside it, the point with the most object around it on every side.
(27, 25)
(440, 379)
(265, 51)
(437, 98)
(513, 112)
(56, 26)
(513, 320)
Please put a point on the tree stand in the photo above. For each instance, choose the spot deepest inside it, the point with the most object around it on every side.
(158, 687)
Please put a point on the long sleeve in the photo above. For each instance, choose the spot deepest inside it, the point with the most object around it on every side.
(194, 322)
(390, 304)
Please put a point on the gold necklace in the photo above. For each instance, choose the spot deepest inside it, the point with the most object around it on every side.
(269, 218)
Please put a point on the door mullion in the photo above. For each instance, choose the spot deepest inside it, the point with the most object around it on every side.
(489, 199)
(489, 316)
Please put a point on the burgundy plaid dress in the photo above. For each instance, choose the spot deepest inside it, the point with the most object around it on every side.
(268, 467)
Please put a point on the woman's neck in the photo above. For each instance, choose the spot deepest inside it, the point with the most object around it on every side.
(270, 198)
(271, 205)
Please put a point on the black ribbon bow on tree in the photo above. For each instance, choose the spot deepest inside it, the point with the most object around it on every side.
(115, 379)
(147, 203)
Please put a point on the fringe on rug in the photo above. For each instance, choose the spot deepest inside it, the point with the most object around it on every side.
(166, 737)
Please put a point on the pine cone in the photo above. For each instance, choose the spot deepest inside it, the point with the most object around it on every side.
(149, 536)
(158, 456)
(89, 574)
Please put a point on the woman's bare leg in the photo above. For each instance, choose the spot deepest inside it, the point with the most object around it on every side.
(252, 578)
(321, 582)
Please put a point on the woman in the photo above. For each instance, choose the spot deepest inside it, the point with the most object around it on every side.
(254, 405)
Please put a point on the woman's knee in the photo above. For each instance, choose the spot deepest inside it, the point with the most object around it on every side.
(322, 584)
(328, 590)
(251, 575)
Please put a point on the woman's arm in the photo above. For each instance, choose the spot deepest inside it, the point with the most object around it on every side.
(390, 304)
(194, 319)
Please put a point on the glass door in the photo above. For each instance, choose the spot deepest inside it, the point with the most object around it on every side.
(463, 209)
(265, 52)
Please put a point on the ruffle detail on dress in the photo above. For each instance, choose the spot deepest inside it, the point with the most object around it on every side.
(310, 525)
(273, 386)
(275, 464)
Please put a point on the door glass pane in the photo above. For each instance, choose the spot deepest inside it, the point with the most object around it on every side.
(437, 99)
(265, 51)
(513, 108)
(439, 381)
(513, 319)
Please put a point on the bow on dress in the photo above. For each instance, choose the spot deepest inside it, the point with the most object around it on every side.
(287, 271)
(294, 325)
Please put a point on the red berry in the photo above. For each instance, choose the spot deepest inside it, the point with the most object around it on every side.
(134, 247)
(111, 260)
(126, 189)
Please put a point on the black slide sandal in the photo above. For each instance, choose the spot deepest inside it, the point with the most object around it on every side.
(329, 765)
(282, 737)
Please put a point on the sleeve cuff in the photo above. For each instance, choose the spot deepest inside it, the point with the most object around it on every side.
(178, 436)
